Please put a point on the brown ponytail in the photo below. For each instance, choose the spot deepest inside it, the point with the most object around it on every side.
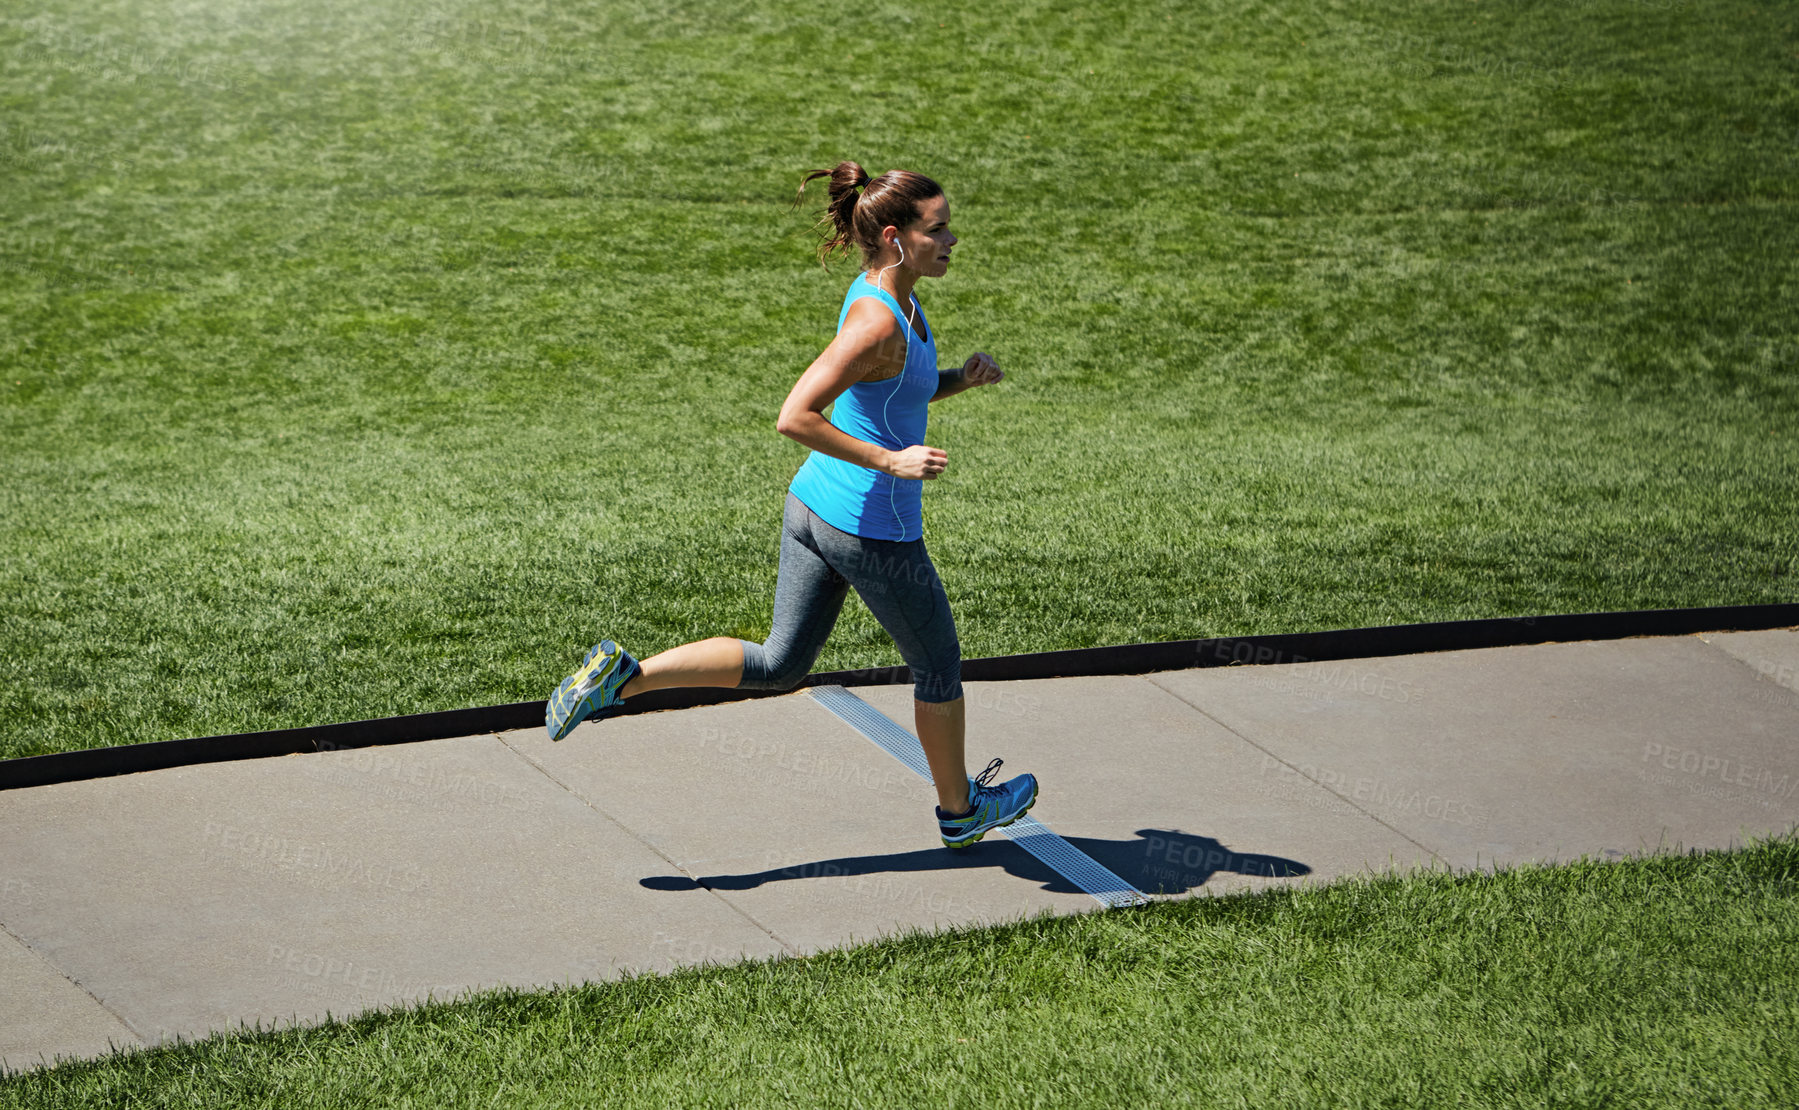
(860, 206)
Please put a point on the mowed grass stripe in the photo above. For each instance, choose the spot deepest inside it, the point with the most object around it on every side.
(371, 360)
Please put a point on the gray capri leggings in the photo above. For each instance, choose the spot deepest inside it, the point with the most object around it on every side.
(894, 578)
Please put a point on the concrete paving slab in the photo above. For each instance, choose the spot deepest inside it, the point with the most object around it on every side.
(46, 1016)
(795, 819)
(1161, 794)
(1544, 752)
(280, 890)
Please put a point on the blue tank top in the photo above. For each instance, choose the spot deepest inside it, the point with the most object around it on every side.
(890, 413)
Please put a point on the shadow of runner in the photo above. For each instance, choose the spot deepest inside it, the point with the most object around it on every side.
(1158, 861)
(1169, 861)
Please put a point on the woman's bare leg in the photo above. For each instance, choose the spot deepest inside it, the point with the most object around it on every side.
(941, 726)
(714, 662)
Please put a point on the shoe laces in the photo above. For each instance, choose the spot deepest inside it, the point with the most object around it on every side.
(985, 778)
(975, 785)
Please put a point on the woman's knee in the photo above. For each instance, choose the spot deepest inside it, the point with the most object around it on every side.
(941, 684)
(777, 669)
(789, 674)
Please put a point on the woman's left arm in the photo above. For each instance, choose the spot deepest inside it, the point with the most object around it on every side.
(980, 369)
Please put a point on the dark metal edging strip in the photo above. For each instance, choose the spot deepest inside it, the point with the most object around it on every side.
(1296, 647)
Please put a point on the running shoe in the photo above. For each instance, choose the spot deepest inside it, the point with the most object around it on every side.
(994, 806)
(591, 690)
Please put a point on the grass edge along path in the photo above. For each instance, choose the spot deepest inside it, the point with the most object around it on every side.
(1662, 980)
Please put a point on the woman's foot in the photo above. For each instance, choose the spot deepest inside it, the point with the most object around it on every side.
(990, 807)
(593, 688)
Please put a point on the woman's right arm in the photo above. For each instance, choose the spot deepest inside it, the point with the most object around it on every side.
(867, 344)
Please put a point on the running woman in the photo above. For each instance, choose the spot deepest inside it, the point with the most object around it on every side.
(853, 515)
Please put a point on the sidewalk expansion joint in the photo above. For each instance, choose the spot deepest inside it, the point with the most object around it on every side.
(1079, 868)
(78, 985)
(1761, 675)
(786, 946)
(1350, 802)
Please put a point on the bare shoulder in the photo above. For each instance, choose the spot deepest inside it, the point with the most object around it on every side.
(872, 316)
(874, 340)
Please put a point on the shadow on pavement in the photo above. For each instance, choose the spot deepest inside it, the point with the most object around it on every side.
(1159, 861)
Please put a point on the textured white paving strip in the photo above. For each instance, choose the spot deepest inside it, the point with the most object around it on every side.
(875, 725)
(1027, 832)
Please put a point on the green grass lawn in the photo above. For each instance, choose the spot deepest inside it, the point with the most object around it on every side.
(361, 359)
(1667, 981)
(364, 359)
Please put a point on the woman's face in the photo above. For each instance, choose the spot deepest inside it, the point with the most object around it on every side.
(928, 241)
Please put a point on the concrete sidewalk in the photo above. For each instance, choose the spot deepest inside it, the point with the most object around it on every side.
(179, 902)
